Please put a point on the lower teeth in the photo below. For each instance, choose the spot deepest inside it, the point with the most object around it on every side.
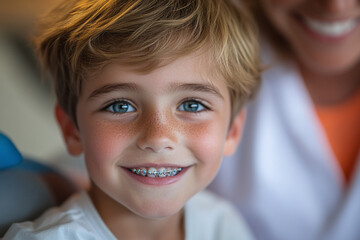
(152, 172)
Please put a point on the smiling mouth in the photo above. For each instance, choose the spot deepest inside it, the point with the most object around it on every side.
(331, 29)
(153, 172)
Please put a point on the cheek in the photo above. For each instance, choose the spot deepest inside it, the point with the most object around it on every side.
(104, 142)
(206, 144)
(279, 10)
(206, 141)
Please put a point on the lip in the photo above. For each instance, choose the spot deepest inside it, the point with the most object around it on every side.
(153, 165)
(157, 181)
(333, 31)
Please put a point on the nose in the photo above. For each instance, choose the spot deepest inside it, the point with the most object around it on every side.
(338, 6)
(158, 133)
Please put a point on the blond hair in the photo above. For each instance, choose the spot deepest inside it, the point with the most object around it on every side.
(81, 37)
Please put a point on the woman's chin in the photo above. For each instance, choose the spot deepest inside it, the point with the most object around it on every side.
(327, 65)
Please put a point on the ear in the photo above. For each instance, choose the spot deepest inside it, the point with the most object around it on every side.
(69, 131)
(234, 134)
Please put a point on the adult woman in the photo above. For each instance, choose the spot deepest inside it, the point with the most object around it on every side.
(296, 174)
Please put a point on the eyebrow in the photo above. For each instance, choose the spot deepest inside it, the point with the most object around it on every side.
(113, 87)
(206, 88)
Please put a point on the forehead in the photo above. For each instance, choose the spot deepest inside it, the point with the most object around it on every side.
(195, 68)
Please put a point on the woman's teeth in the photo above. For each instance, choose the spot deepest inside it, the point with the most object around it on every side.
(153, 172)
(331, 29)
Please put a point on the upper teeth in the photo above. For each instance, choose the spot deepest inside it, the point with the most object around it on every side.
(153, 172)
(331, 29)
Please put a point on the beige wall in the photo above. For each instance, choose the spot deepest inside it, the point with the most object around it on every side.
(24, 12)
(26, 105)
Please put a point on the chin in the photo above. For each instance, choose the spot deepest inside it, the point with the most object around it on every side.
(157, 210)
(328, 65)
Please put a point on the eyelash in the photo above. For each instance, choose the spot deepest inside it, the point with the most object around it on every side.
(113, 103)
(118, 101)
(195, 101)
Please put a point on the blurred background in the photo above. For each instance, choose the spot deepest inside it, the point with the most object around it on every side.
(26, 98)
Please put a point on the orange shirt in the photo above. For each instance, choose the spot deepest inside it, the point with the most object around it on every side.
(342, 126)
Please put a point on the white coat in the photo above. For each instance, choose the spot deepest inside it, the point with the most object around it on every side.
(284, 176)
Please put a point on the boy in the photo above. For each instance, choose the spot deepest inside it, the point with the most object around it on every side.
(150, 92)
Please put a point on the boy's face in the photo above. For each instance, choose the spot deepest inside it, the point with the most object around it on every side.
(175, 117)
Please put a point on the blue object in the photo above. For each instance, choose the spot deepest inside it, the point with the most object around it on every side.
(9, 155)
(27, 187)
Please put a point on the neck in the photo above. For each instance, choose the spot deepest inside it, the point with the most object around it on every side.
(125, 224)
(331, 89)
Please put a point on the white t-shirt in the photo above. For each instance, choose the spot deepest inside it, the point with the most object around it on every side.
(207, 217)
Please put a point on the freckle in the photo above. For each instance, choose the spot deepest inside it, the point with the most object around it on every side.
(192, 129)
(163, 128)
(119, 129)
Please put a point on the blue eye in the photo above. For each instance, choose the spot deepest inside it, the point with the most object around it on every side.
(120, 107)
(191, 106)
